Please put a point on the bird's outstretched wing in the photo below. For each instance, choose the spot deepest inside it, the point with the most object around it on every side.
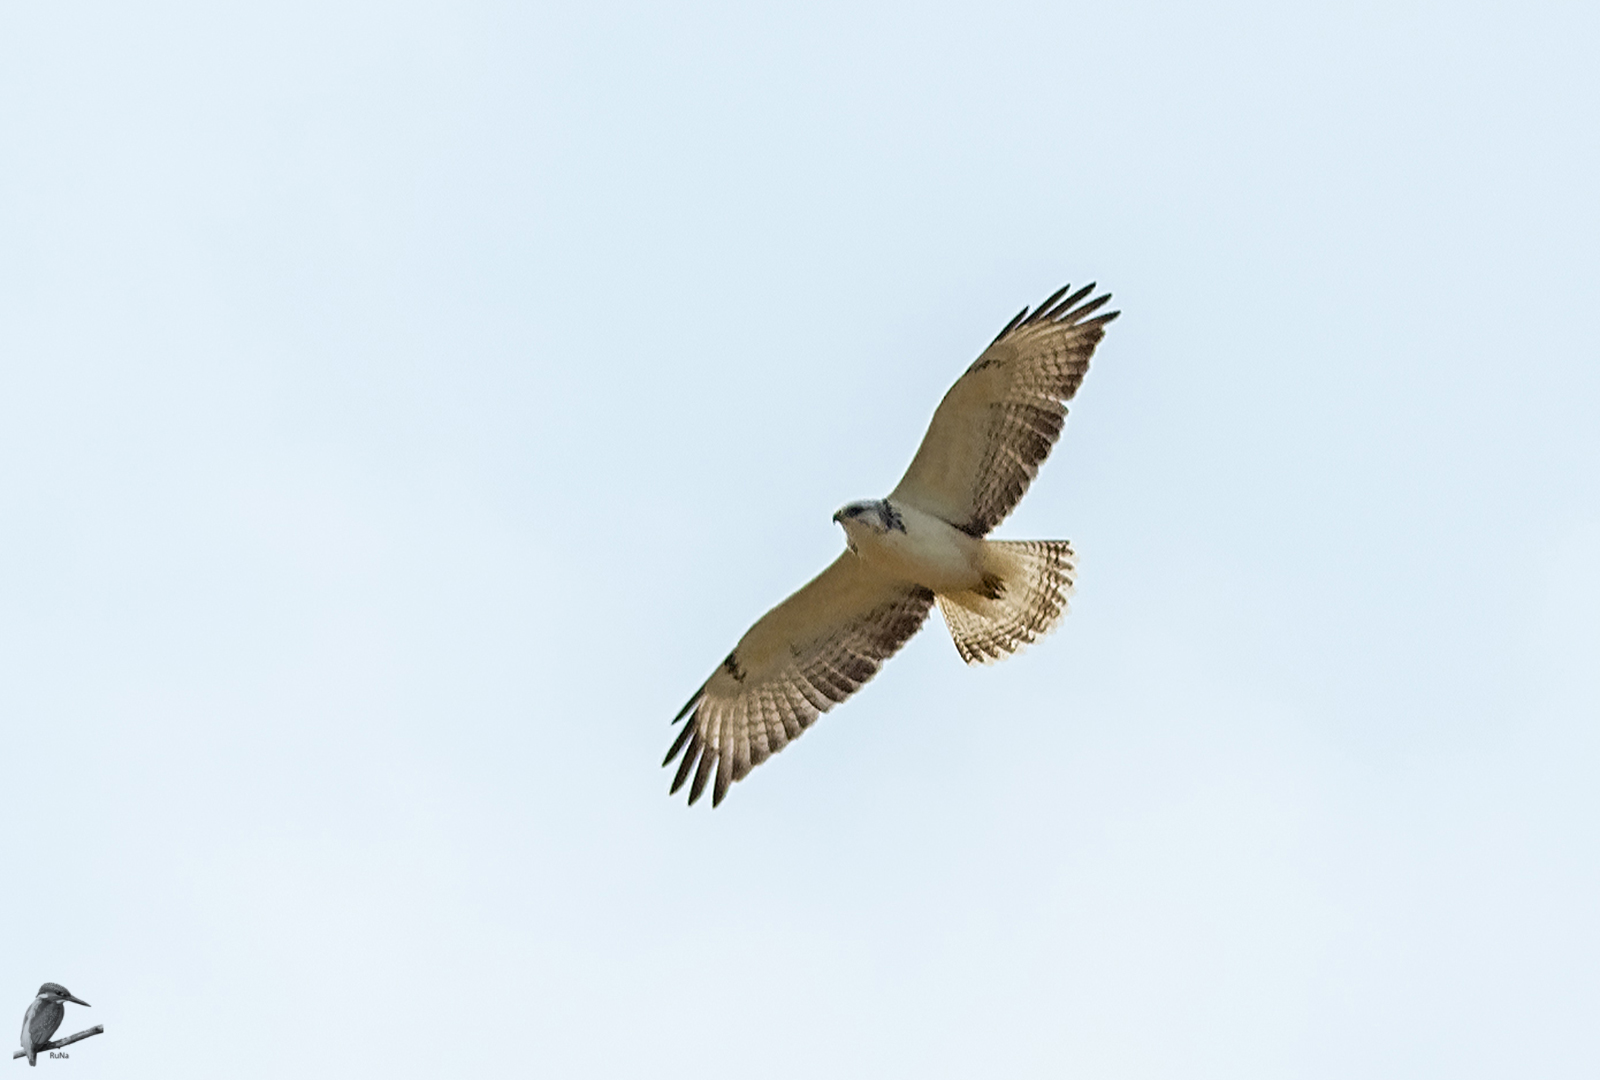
(798, 661)
(999, 421)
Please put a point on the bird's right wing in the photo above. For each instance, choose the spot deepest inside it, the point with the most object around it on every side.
(41, 1023)
(798, 661)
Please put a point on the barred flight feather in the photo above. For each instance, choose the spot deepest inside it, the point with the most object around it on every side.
(1000, 420)
(733, 725)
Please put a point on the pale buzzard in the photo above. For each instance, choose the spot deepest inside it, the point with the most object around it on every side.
(920, 546)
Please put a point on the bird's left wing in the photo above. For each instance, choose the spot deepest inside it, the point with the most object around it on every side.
(798, 661)
(999, 421)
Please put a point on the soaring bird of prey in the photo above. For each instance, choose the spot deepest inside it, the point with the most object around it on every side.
(922, 545)
(43, 1017)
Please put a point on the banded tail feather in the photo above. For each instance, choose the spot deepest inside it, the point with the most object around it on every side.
(1022, 598)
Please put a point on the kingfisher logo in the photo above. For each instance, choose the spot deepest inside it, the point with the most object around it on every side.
(44, 1015)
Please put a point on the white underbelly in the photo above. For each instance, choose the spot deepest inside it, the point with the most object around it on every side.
(930, 552)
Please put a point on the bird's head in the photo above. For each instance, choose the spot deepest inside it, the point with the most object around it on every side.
(57, 992)
(874, 516)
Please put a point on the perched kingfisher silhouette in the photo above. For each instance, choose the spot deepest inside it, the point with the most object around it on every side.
(44, 1016)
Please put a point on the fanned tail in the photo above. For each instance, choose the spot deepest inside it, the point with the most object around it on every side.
(1022, 598)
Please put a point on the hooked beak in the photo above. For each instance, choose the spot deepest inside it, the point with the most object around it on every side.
(838, 515)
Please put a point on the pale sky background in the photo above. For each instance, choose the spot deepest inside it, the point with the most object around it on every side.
(405, 406)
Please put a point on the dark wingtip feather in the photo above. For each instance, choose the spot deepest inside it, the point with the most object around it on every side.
(677, 744)
(1012, 325)
(701, 775)
(1080, 313)
(1066, 305)
(692, 702)
(1058, 307)
(689, 757)
(1044, 307)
